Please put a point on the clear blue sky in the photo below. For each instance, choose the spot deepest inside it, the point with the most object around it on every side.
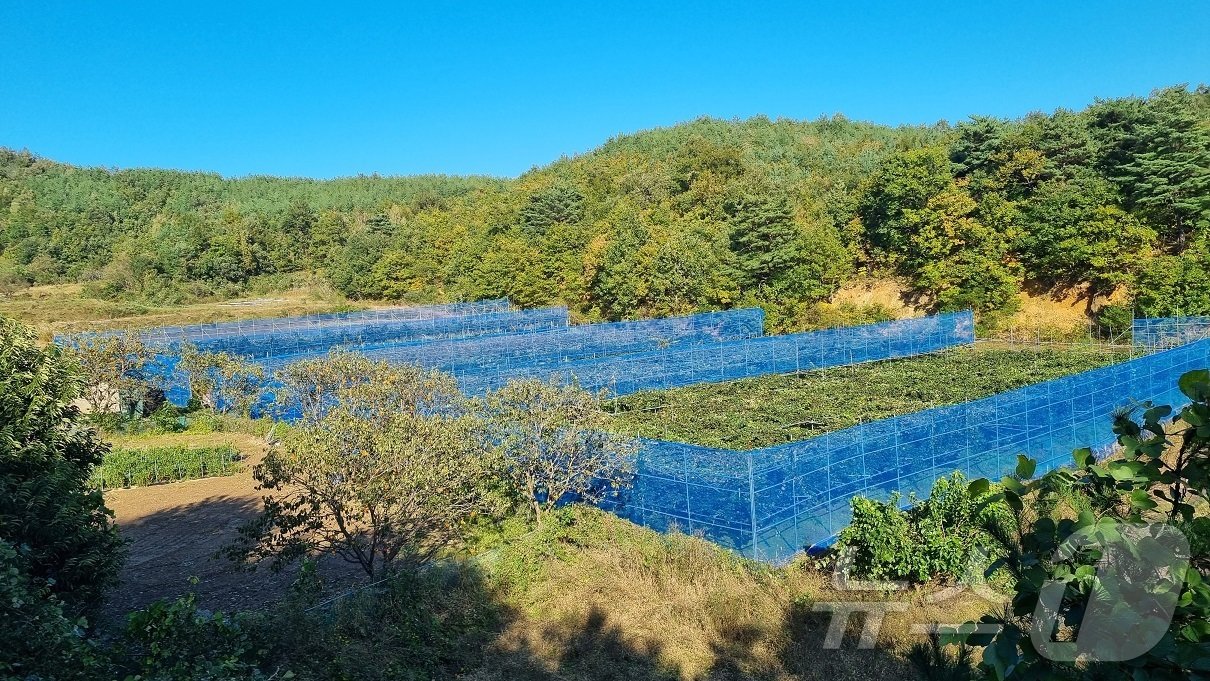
(336, 88)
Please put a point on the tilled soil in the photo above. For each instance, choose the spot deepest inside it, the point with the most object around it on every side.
(175, 533)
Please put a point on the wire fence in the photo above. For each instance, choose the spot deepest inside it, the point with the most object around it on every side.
(772, 503)
(158, 465)
(1158, 333)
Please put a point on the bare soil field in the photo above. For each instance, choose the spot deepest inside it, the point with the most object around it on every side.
(176, 531)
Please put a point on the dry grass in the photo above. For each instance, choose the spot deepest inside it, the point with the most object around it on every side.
(626, 603)
(891, 294)
(63, 308)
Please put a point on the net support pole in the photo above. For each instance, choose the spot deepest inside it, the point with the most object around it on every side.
(752, 502)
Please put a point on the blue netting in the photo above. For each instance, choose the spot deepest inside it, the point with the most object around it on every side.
(548, 351)
(622, 357)
(478, 361)
(1169, 332)
(291, 340)
(772, 503)
(730, 360)
(319, 333)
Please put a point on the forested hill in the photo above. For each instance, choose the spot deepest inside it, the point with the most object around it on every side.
(706, 214)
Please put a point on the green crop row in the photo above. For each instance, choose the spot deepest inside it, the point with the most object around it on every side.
(139, 467)
(769, 410)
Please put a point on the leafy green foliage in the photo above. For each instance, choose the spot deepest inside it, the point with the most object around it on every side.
(701, 215)
(177, 641)
(927, 222)
(553, 444)
(156, 465)
(40, 638)
(222, 380)
(386, 472)
(112, 369)
(933, 537)
(769, 410)
(416, 626)
(1162, 477)
(46, 455)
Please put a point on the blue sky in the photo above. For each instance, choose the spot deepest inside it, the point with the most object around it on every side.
(332, 88)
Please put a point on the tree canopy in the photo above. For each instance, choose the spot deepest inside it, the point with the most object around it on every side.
(702, 215)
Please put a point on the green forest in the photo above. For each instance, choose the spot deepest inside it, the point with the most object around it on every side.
(703, 215)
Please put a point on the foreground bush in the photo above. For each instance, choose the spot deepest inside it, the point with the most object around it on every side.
(157, 465)
(46, 456)
(1119, 590)
(936, 537)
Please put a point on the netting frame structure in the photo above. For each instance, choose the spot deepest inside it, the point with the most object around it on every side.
(771, 504)
(550, 348)
(748, 357)
(1159, 333)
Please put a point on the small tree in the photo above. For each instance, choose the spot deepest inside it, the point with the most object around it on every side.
(553, 444)
(222, 380)
(386, 468)
(112, 369)
(379, 493)
(366, 387)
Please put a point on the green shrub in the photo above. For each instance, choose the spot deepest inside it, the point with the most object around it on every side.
(1115, 320)
(1158, 478)
(139, 467)
(414, 626)
(206, 421)
(46, 456)
(40, 639)
(175, 640)
(165, 419)
(935, 537)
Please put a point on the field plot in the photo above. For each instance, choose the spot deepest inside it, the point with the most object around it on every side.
(770, 410)
(159, 465)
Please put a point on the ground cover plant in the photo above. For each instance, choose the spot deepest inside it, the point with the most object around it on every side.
(769, 410)
(156, 465)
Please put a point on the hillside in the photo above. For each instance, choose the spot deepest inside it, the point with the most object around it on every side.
(706, 214)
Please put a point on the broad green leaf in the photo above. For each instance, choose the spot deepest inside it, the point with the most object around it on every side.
(1026, 467)
(1196, 384)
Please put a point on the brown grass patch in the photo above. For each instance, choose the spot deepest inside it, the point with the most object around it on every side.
(639, 605)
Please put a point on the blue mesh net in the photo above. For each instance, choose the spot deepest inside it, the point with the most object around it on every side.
(772, 503)
(728, 360)
(272, 338)
(548, 349)
(278, 342)
(1168, 332)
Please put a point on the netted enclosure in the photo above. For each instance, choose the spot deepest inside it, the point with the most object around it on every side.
(275, 342)
(285, 336)
(771, 503)
(1168, 332)
(730, 360)
(542, 353)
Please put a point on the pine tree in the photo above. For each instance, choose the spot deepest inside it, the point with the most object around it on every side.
(1168, 177)
(764, 238)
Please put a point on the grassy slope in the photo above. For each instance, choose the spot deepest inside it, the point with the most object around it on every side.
(590, 596)
(64, 308)
(769, 410)
(613, 596)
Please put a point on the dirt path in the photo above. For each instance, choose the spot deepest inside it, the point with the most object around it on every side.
(174, 533)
